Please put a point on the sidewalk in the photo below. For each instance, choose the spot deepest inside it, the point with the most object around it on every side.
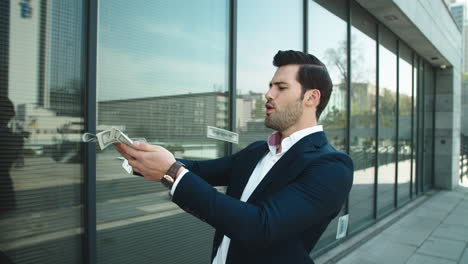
(435, 232)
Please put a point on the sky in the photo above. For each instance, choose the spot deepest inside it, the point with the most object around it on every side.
(157, 48)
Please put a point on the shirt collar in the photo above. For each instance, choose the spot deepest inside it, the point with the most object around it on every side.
(288, 142)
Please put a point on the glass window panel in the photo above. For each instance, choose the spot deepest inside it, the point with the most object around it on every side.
(263, 28)
(428, 125)
(387, 120)
(405, 146)
(162, 76)
(331, 49)
(420, 122)
(363, 111)
(415, 124)
(41, 120)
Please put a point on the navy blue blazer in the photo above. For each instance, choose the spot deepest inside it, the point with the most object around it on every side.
(288, 211)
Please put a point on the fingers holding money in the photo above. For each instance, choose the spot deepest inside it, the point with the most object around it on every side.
(124, 151)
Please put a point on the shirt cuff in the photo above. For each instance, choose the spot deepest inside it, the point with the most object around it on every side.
(178, 180)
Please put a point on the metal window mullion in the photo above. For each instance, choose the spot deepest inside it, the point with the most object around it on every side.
(377, 126)
(348, 84)
(433, 128)
(412, 127)
(397, 136)
(423, 117)
(305, 26)
(89, 157)
(418, 127)
(232, 70)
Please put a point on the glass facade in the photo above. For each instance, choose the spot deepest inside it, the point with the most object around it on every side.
(387, 107)
(41, 110)
(331, 49)
(415, 129)
(405, 124)
(363, 115)
(255, 50)
(162, 76)
(168, 71)
(428, 144)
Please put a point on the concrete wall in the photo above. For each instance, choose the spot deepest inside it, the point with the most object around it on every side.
(447, 128)
(433, 20)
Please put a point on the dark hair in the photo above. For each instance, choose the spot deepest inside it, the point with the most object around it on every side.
(312, 74)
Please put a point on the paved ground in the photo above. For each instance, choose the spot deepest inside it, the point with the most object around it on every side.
(434, 233)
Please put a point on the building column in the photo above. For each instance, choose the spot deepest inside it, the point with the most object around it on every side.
(447, 128)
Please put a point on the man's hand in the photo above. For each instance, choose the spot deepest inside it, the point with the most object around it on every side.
(149, 160)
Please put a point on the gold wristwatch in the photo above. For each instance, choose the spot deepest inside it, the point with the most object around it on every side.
(171, 174)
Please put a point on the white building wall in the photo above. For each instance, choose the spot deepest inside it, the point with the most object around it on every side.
(24, 51)
(433, 19)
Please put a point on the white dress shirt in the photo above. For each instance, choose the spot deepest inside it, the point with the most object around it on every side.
(262, 168)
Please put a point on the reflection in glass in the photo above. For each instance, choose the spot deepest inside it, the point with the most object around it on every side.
(261, 32)
(40, 126)
(331, 49)
(363, 111)
(428, 126)
(405, 147)
(387, 121)
(162, 76)
(415, 131)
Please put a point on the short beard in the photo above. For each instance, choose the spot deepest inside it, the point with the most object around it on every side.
(280, 120)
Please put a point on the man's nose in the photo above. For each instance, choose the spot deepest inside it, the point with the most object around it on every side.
(269, 95)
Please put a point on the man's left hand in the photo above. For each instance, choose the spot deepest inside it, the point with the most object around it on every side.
(151, 161)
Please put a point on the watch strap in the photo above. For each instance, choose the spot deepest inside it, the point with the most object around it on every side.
(172, 171)
(169, 178)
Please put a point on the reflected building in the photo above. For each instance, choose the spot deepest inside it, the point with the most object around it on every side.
(179, 120)
(162, 118)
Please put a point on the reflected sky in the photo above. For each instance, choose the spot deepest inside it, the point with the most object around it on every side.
(321, 41)
(264, 27)
(156, 48)
(166, 47)
(405, 77)
(387, 67)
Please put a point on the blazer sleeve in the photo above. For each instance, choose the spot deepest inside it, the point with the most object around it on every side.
(317, 193)
(215, 172)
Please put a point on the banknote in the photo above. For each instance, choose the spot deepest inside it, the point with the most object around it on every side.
(107, 137)
(127, 167)
(119, 136)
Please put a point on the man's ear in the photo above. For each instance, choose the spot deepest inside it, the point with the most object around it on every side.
(312, 97)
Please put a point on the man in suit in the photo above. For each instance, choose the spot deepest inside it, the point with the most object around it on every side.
(281, 193)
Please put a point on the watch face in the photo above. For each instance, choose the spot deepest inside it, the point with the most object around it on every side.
(168, 181)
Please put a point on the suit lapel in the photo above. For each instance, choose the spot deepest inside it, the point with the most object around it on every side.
(285, 168)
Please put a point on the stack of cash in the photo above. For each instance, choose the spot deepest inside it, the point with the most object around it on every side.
(107, 137)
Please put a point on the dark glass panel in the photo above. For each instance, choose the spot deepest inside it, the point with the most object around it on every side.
(405, 132)
(162, 76)
(332, 50)
(363, 111)
(429, 105)
(263, 28)
(387, 120)
(41, 122)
